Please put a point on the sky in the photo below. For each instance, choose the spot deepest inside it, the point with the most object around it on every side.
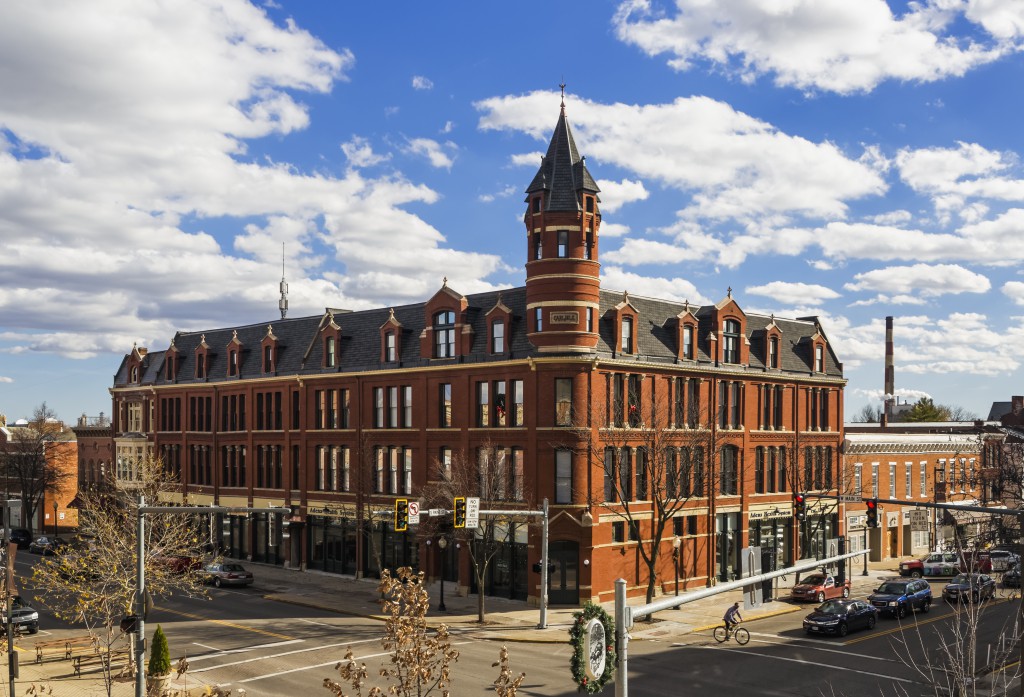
(163, 162)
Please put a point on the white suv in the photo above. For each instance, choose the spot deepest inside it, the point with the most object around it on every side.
(1002, 559)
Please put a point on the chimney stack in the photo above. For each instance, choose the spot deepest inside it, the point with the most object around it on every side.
(890, 372)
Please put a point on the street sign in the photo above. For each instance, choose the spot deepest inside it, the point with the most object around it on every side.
(414, 513)
(847, 498)
(436, 512)
(918, 521)
(473, 512)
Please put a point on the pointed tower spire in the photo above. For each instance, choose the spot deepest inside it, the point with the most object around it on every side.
(283, 302)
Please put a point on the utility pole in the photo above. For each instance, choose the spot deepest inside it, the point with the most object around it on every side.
(140, 600)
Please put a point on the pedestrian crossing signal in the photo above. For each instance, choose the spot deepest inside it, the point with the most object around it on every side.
(872, 513)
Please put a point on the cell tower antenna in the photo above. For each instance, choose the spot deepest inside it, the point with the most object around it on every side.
(283, 302)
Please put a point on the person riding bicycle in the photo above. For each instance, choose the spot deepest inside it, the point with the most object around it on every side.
(732, 617)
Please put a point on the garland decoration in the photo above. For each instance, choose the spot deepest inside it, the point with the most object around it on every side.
(578, 661)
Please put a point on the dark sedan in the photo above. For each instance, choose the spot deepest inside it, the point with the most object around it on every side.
(46, 545)
(1011, 579)
(838, 617)
(971, 587)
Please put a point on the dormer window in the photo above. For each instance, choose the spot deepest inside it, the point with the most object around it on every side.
(201, 366)
(268, 359)
(330, 352)
(169, 375)
(773, 352)
(233, 363)
(688, 342)
(731, 341)
(389, 347)
(133, 374)
(444, 334)
(563, 244)
(498, 336)
(819, 359)
(626, 343)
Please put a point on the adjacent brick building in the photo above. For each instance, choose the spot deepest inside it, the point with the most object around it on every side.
(338, 414)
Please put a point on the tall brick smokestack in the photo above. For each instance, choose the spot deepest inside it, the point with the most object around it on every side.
(890, 372)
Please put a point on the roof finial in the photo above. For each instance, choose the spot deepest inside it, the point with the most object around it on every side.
(282, 304)
(444, 282)
(562, 87)
(728, 292)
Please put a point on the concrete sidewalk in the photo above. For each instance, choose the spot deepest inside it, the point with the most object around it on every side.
(506, 620)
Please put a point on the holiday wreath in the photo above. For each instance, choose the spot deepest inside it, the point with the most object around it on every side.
(578, 662)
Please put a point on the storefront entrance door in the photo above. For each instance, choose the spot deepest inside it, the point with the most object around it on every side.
(565, 580)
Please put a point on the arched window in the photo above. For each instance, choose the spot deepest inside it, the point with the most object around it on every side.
(627, 335)
(731, 341)
(819, 359)
(444, 334)
(688, 342)
(330, 352)
(773, 352)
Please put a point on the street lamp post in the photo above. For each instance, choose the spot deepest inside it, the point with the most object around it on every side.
(55, 519)
(441, 544)
(676, 542)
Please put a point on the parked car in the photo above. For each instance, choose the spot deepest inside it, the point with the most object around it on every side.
(227, 573)
(46, 545)
(915, 568)
(972, 587)
(1003, 559)
(819, 588)
(840, 616)
(24, 617)
(179, 564)
(21, 537)
(976, 563)
(898, 596)
(1011, 578)
(942, 564)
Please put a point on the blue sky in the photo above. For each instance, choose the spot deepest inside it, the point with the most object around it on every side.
(850, 160)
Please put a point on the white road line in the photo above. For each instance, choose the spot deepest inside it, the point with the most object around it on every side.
(331, 663)
(322, 624)
(286, 653)
(225, 652)
(811, 663)
(816, 646)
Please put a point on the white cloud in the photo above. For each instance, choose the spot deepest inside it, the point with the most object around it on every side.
(910, 284)
(360, 153)
(1014, 290)
(892, 218)
(833, 45)
(448, 127)
(794, 293)
(433, 151)
(729, 164)
(613, 229)
(953, 175)
(504, 193)
(614, 195)
(421, 83)
(4, 378)
(905, 395)
(527, 159)
(678, 289)
(1004, 20)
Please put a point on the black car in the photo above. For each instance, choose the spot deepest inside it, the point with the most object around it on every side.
(896, 597)
(1011, 579)
(24, 617)
(839, 616)
(46, 545)
(971, 587)
(21, 537)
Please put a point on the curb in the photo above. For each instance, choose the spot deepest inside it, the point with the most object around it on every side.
(775, 613)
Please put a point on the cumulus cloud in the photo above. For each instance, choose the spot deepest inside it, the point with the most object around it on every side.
(435, 152)
(614, 194)
(360, 153)
(4, 378)
(421, 83)
(894, 218)
(678, 289)
(831, 45)
(911, 284)
(794, 293)
(1014, 290)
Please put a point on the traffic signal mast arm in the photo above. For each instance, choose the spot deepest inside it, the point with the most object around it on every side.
(927, 504)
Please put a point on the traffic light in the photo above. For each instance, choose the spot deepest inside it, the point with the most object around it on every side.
(872, 505)
(800, 506)
(401, 515)
(460, 511)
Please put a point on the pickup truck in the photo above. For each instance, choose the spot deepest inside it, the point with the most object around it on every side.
(935, 564)
(24, 617)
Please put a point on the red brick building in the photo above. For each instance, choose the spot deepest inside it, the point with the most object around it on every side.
(338, 413)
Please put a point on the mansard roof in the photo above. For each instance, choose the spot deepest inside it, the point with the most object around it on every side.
(563, 173)
(299, 352)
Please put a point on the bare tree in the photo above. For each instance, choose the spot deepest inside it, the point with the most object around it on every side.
(38, 459)
(495, 475)
(868, 414)
(676, 457)
(94, 582)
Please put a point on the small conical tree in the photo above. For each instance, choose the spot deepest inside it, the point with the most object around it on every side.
(160, 657)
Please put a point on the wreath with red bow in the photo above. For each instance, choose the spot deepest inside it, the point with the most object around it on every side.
(578, 662)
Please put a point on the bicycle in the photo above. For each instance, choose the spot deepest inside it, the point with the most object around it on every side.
(741, 635)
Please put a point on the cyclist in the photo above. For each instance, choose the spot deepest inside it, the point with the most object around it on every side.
(732, 617)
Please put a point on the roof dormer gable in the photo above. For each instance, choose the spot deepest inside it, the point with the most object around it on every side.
(686, 324)
(626, 318)
(136, 364)
(447, 332)
(172, 360)
(269, 349)
(772, 347)
(391, 338)
(202, 354)
(499, 322)
(234, 352)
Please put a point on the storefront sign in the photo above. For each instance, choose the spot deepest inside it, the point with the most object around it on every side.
(856, 521)
(768, 515)
(565, 318)
(328, 511)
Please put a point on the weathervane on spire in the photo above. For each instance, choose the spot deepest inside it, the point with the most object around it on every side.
(561, 86)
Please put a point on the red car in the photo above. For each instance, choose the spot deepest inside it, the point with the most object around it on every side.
(819, 588)
(179, 564)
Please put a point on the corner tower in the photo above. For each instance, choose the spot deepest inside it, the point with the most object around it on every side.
(562, 270)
